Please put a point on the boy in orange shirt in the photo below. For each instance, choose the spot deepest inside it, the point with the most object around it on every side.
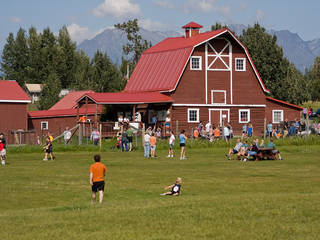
(153, 142)
(97, 173)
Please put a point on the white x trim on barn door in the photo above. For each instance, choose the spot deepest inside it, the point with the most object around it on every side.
(218, 56)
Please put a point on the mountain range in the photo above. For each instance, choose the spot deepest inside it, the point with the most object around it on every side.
(301, 53)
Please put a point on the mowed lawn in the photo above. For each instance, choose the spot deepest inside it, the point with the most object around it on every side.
(220, 199)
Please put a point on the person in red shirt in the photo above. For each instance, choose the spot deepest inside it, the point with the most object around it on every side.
(2, 153)
(97, 174)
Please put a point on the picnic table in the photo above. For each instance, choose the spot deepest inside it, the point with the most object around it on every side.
(266, 153)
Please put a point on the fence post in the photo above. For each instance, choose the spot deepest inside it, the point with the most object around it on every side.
(177, 127)
(100, 140)
(264, 128)
(80, 134)
(143, 131)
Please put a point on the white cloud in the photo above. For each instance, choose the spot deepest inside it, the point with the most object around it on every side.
(260, 14)
(163, 4)
(117, 8)
(15, 19)
(78, 33)
(207, 6)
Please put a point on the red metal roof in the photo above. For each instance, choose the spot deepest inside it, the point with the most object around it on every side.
(63, 112)
(10, 91)
(160, 67)
(283, 102)
(192, 25)
(128, 98)
(70, 100)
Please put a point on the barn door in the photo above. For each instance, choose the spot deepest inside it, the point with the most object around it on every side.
(216, 116)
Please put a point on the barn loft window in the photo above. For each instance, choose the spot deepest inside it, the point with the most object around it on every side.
(240, 64)
(193, 115)
(277, 116)
(196, 63)
(44, 125)
(244, 115)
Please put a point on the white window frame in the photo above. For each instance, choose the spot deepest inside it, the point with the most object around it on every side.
(200, 63)
(198, 115)
(244, 65)
(47, 124)
(273, 112)
(225, 97)
(244, 110)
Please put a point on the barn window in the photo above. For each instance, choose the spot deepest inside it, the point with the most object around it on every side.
(44, 126)
(193, 115)
(277, 116)
(196, 63)
(240, 64)
(244, 115)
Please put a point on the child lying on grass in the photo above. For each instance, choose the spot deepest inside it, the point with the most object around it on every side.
(175, 188)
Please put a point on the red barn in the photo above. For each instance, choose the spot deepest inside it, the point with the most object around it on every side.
(61, 115)
(209, 76)
(13, 107)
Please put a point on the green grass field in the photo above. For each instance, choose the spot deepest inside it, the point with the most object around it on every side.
(220, 200)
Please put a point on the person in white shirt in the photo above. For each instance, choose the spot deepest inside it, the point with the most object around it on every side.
(171, 144)
(226, 133)
(146, 145)
(66, 135)
(208, 125)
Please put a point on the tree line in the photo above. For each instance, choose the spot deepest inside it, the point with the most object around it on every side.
(31, 57)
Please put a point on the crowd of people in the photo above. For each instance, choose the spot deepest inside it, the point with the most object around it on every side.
(244, 152)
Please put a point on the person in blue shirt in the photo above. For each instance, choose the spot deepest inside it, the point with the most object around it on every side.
(269, 129)
(250, 130)
(274, 148)
(244, 131)
(182, 140)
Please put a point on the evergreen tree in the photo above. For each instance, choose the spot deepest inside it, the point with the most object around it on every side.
(8, 66)
(312, 78)
(33, 69)
(21, 56)
(218, 26)
(104, 74)
(82, 72)
(50, 92)
(67, 66)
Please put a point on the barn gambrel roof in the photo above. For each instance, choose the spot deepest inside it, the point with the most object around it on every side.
(161, 67)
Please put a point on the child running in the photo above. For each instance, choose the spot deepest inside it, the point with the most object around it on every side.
(175, 188)
(153, 142)
(171, 144)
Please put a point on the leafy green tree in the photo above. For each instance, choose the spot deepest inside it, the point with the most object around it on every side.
(50, 93)
(279, 75)
(82, 79)
(136, 45)
(104, 75)
(312, 78)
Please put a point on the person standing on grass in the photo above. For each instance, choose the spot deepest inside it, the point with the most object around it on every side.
(153, 144)
(171, 144)
(67, 135)
(95, 136)
(3, 152)
(97, 174)
(48, 149)
(146, 144)
(182, 139)
(124, 140)
(129, 137)
(250, 130)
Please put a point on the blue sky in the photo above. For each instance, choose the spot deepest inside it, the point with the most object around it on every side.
(86, 18)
